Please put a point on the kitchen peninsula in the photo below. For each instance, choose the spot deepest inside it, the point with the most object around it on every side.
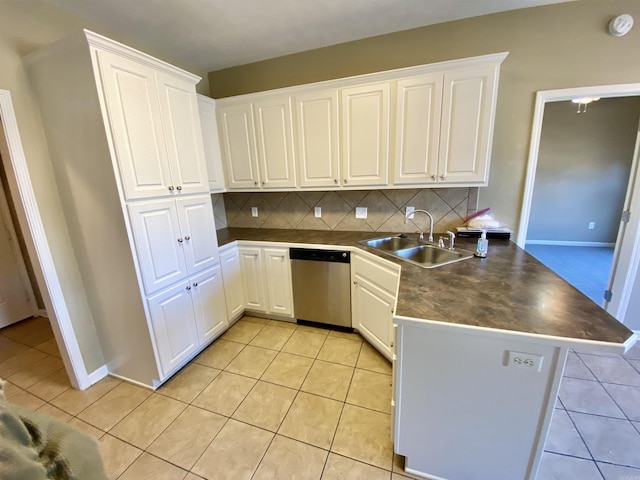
(479, 350)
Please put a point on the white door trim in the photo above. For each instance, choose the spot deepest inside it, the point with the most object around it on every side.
(542, 97)
(56, 306)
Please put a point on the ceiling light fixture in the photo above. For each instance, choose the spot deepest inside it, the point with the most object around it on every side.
(583, 102)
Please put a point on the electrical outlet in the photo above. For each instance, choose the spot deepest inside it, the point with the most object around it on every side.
(592, 225)
(525, 361)
(254, 211)
(317, 212)
(408, 213)
(361, 212)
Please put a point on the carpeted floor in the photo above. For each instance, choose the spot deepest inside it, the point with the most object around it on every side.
(586, 268)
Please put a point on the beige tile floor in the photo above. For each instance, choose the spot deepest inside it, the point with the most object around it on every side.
(273, 400)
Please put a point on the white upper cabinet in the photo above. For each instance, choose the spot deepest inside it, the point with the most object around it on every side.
(317, 147)
(135, 120)
(211, 141)
(181, 120)
(468, 106)
(155, 128)
(274, 140)
(365, 134)
(418, 106)
(238, 146)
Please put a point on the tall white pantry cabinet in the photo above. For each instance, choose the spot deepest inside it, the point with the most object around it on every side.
(125, 141)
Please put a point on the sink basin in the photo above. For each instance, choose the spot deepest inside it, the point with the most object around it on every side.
(409, 249)
(390, 243)
(430, 256)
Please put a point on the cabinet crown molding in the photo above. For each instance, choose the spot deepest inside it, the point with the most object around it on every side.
(489, 60)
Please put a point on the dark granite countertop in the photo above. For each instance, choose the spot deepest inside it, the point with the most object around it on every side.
(509, 290)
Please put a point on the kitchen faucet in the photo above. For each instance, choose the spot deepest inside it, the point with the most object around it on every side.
(421, 232)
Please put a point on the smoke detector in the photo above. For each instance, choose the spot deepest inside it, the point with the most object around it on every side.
(620, 25)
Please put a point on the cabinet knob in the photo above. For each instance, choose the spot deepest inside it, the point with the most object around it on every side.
(188, 287)
(355, 283)
(391, 344)
(442, 177)
(433, 177)
(195, 284)
(187, 237)
(180, 240)
(255, 183)
(262, 183)
(171, 188)
(345, 181)
(335, 180)
(179, 187)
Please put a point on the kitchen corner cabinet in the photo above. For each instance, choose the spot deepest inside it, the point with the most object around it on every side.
(374, 290)
(266, 273)
(125, 141)
(156, 128)
(317, 147)
(211, 140)
(239, 146)
(365, 134)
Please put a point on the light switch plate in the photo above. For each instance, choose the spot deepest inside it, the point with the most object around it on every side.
(254, 211)
(317, 212)
(361, 212)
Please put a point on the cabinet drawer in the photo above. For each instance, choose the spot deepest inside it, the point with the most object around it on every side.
(384, 276)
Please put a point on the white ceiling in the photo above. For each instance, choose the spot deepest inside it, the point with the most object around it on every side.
(214, 34)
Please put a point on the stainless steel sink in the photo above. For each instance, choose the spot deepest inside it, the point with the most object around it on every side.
(423, 255)
(390, 243)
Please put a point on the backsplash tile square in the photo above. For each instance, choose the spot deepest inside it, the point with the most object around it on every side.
(449, 207)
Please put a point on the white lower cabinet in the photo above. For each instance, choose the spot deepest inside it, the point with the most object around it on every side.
(186, 316)
(174, 325)
(207, 291)
(233, 284)
(266, 274)
(373, 299)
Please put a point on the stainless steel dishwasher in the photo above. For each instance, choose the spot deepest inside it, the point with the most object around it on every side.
(322, 286)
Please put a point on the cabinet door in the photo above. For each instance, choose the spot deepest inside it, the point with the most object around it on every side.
(174, 325)
(233, 283)
(238, 146)
(418, 106)
(211, 142)
(274, 139)
(278, 273)
(372, 310)
(317, 139)
(135, 125)
(159, 243)
(181, 121)
(209, 304)
(253, 278)
(365, 134)
(198, 229)
(467, 123)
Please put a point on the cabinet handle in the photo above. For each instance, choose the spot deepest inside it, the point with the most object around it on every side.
(442, 177)
(180, 240)
(195, 284)
(179, 187)
(187, 237)
(433, 177)
(171, 188)
(188, 287)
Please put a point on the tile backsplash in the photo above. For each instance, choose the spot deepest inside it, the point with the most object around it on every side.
(385, 209)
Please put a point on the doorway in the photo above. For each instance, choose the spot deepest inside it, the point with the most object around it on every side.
(624, 234)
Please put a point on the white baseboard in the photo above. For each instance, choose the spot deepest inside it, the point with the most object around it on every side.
(43, 313)
(563, 243)
(98, 374)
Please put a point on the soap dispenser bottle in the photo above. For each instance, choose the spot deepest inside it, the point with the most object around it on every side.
(483, 245)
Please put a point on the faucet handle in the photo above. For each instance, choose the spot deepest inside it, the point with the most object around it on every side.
(420, 235)
(452, 239)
